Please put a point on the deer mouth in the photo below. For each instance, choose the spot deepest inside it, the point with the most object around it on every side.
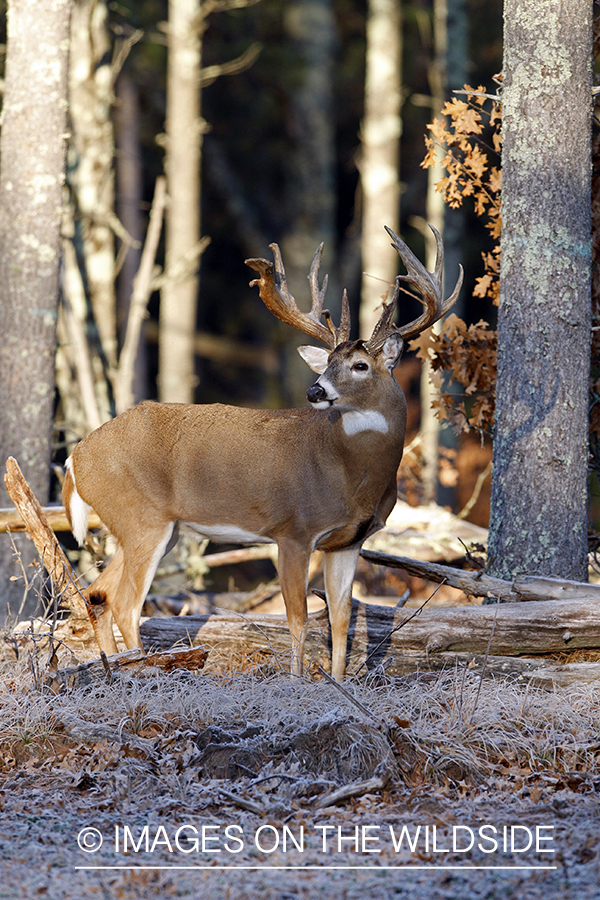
(322, 394)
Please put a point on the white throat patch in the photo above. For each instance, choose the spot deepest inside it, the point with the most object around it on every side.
(364, 420)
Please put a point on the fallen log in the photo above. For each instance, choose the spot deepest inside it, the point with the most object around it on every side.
(478, 584)
(130, 662)
(376, 632)
(11, 520)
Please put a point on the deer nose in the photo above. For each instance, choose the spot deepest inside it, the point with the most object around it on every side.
(316, 392)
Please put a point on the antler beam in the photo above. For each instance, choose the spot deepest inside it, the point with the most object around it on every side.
(274, 293)
(430, 286)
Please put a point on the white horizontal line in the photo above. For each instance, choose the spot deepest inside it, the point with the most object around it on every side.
(288, 868)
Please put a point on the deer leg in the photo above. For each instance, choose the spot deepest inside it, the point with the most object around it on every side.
(293, 578)
(140, 562)
(339, 569)
(99, 599)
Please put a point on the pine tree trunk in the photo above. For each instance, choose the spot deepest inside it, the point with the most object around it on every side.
(34, 126)
(539, 492)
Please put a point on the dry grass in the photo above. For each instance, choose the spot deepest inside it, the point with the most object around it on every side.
(443, 728)
(454, 750)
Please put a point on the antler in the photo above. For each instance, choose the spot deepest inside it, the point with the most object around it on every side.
(274, 293)
(429, 284)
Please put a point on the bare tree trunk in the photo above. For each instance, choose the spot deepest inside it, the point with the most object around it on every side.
(34, 125)
(310, 24)
(128, 166)
(448, 72)
(381, 129)
(539, 490)
(179, 297)
(91, 179)
(429, 430)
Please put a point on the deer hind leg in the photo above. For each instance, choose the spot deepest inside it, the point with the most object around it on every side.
(99, 596)
(140, 562)
(340, 566)
(293, 578)
(121, 589)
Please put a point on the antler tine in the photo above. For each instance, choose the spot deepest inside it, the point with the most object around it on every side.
(274, 293)
(342, 332)
(429, 284)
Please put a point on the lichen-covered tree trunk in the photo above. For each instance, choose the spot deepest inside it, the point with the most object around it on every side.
(34, 126)
(539, 492)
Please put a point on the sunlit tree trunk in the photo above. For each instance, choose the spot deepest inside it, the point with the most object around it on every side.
(380, 156)
(179, 296)
(91, 180)
(429, 431)
(34, 126)
(448, 72)
(539, 489)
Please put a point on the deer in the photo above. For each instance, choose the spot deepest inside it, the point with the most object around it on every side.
(321, 477)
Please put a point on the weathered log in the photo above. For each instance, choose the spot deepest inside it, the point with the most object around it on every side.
(516, 629)
(478, 584)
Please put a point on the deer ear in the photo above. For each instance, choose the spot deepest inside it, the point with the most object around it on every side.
(392, 350)
(316, 358)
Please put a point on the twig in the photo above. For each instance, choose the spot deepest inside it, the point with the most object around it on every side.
(107, 668)
(142, 289)
(476, 492)
(485, 660)
(349, 696)
(79, 343)
(248, 805)
(397, 627)
(495, 97)
(351, 790)
(209, 74)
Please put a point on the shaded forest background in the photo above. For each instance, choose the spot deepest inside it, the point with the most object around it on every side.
(256, 159)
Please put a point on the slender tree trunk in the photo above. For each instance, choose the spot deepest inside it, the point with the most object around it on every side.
(34, 126)
(91, 180)
(429, 429)
(129, 196)
(380, 159)
(179, 297)
(310, 194)
(539, 491)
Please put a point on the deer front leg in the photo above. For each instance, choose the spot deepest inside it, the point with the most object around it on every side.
(340, 566)
(293, 577)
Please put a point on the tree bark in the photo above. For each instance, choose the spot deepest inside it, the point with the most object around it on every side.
(380, 159)
(179, 296)
(539, 491)
(34, 126)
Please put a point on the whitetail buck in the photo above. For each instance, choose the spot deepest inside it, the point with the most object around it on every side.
(323, 477)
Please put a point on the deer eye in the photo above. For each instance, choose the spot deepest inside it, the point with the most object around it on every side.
(360, 367)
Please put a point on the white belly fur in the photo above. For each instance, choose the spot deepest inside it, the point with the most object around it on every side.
(228, 534)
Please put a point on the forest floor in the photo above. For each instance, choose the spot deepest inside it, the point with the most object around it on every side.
(223, 786)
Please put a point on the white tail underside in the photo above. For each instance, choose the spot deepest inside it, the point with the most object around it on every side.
(79, 510)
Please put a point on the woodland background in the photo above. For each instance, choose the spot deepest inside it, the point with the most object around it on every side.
(285, 153)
